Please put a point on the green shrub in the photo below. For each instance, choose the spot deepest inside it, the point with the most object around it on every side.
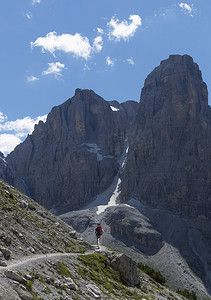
(187, 294)
(62, 269)
(29, 285)
(99, 271)
(154, 274)
(31, 207)
(11, 195)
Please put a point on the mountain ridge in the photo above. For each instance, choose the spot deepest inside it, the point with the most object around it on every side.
(80, 135)
(161, 204)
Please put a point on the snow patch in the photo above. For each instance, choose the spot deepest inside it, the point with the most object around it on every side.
(114, 108)
(4, 161)
(112, 201)
(110, 196)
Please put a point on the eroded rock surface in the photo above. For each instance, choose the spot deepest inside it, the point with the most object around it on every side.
(169, 146)
(73, 156)
(134, 229)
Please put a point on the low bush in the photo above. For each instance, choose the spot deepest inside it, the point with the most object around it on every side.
(187, 294)
(154, 274)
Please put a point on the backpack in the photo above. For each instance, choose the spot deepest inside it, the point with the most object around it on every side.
(99, 230)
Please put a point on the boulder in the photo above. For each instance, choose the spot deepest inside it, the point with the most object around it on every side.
(126, 267)
(6, 252)
(14, 276)
(3, 263)
(135, 229)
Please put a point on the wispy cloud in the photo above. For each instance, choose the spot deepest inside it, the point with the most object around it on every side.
(109, 61)
(98, 43)
(86, 68)
(3, 117)
(187, 9)
(54, 68)
(31, 78)
(35, 2)
(28, 14)
(123, 30)
(100, 30)
(14, 132)
(68, 43)
(130, 61)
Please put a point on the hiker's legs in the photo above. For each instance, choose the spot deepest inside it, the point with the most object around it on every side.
(98, 242)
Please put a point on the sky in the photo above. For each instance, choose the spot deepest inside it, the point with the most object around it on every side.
(51, 47)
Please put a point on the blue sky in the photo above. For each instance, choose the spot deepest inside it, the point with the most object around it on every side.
(51, 47)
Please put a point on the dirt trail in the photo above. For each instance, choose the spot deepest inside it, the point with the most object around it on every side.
(37, 258)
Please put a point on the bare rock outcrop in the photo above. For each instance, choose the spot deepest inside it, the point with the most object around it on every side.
(129, 225)
(126, 267)
(73, 156)
(169, 161)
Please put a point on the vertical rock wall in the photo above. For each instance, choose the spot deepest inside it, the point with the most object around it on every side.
(169, 159)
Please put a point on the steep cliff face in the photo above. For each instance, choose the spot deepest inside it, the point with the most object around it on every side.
(169, 160)
(73, 156)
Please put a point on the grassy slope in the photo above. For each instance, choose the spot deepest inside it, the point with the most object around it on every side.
(26, 228)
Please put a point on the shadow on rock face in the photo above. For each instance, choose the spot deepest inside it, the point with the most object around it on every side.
(79, 220)
(134, 229)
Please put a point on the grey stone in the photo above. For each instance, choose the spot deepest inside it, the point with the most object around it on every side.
(31, 249)
(14, 276)
(69, 283)
(126, 267)
(7, 239)
(6, 252)
(23, 294)
(3, 263)
(58, 283)
(95, 291)
(24, 204)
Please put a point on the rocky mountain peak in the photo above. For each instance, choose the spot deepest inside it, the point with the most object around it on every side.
(177, 84)
(73, 156)
(168, 162)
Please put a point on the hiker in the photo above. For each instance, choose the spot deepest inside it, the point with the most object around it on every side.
(99, 231)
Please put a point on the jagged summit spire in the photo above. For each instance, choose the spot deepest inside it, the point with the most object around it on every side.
(79, 90)
(168, 162)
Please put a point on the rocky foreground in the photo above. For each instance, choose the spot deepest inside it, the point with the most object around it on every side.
(41, 257)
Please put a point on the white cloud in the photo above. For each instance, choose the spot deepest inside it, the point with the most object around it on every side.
(188, 9)
(32, 78)
(28, 15)
(86, 68)
(164, 12)
(3, 117)
(54, 68)
(98, 44)
(123, 30)
(109, 61)
(22, 126)
(8, 142)
(14, 132)
(131, 61)
(68, 43)
(100, 31)
(35, 2)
